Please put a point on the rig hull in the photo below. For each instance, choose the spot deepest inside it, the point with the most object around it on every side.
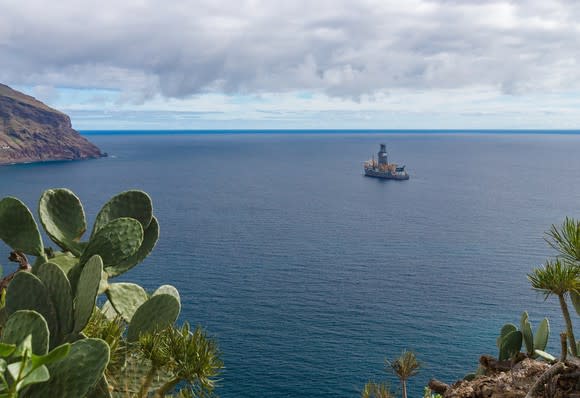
(386, 175)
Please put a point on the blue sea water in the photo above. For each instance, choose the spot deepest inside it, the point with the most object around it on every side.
(310, 274)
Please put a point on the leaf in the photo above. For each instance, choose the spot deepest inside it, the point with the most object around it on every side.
(18, 228)
(63, 218)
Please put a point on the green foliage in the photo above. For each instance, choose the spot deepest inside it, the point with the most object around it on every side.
(18, 228)
(21, 368)
(427, 393)
(74, 375)
(510, 338)
(63, 218)
(377, 390)
(132, 345)
(156, 313)
(566, 239)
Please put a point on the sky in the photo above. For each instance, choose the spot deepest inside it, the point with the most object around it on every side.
(300, 64)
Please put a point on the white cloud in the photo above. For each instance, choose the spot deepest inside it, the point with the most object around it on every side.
(370, 53)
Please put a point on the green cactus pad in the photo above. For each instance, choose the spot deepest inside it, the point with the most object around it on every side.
(505, 330)
(134, 204)
(18, 228)
(60, 293)
(126, 298)
(510, 345)
(528, 337)
(150, 237)
(24, 323)
(116, 241)
(66, 261)
(86, 292)
(76, 374)
(542, 335)
(524, 318)
(167, 289)
(27, 292)
(547, 356)
(156, 313)
(63, 218)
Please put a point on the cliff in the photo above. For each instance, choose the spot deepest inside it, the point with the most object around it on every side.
(30, 131)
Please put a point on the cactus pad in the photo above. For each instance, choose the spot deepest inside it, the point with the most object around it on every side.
(119, 239)
(126, 298)
(75, 375)
(86, 292)
(66, 261)
(18, 228)
(24, 323)
(63, 218)
(156, 313)
(542, 335)
(510, 345)
(167, 289)
(150, 237)
(27, 292)
(60, 293)
(134, 204)
(505, 330)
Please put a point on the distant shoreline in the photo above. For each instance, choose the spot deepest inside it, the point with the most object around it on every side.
(327, 131)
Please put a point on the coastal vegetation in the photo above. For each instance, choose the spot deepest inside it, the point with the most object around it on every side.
(56, 341)
(530, 373)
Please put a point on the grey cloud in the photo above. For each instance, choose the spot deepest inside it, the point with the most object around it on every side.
(341, 48)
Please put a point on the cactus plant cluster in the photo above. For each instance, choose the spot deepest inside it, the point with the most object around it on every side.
(510, 339)
(53, 302)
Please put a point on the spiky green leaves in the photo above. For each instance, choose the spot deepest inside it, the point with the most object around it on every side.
(566, 239)
(63, 218)
(156, 313)
(18, 228)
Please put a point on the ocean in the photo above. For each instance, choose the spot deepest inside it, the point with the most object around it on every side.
(308, 273)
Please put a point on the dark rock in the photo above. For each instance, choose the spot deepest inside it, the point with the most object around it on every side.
(30, 131)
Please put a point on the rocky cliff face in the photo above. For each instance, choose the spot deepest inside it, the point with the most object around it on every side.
(30, 131)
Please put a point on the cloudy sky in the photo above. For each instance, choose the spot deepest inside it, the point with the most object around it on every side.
(441, 64)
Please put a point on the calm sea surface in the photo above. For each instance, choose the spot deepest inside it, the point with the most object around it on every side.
(308, 273)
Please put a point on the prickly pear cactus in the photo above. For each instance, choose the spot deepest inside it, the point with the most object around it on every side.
(63, 218)
(60, 293)
(116, 241)
(24, 323)
(76, 374)
(27, 292)
(18, 228)
(510, 345)
(542, 335)
(156, 313)
(86, 292)
(126, 298)
(133, 204)
(528, 337)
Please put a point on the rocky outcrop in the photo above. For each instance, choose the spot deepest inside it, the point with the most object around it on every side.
(30, 131)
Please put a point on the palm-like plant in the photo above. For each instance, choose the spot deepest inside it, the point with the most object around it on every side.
(566, 239)
(377, 390)
(559, 278)
(404, 367)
